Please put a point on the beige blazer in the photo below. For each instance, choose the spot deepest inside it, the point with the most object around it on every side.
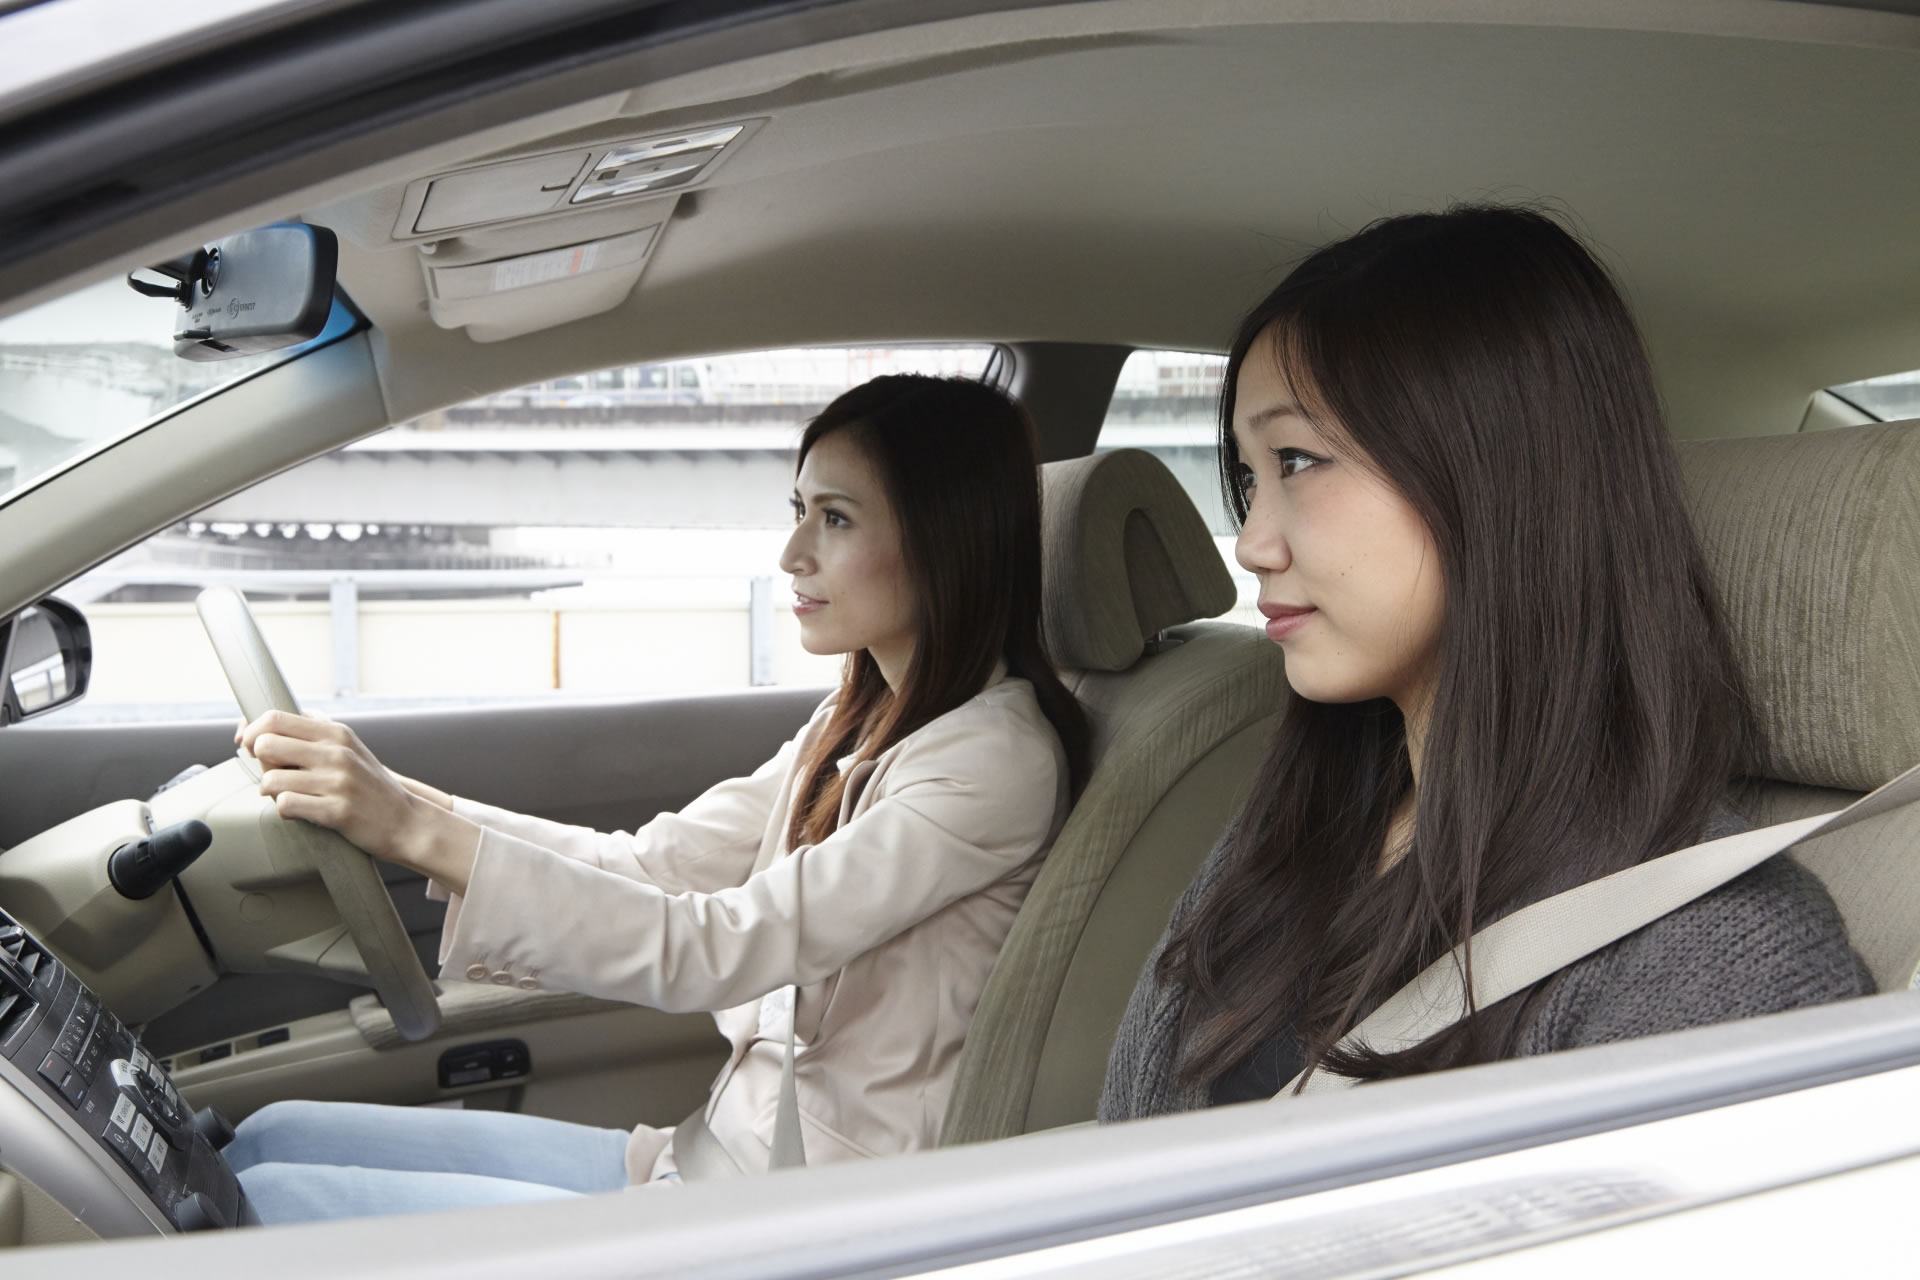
(888, 927)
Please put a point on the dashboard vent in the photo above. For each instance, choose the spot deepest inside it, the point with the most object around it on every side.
(20, 961)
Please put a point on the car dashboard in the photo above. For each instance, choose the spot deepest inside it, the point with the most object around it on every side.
(92, 1118)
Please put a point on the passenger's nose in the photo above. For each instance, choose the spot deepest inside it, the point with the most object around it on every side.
(1262, 546)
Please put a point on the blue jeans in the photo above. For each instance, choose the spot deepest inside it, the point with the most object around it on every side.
(310, 1161)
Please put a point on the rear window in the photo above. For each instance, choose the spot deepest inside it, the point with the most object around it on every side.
(1891, 398)
(1168, 403)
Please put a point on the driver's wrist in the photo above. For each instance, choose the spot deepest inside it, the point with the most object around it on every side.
(441, 845)
(425, 792)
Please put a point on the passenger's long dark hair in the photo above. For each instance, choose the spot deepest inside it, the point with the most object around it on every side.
(960, 467)
(1588, 712)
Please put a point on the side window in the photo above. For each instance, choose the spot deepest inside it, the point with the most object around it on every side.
(606, 534)
(1167, 403)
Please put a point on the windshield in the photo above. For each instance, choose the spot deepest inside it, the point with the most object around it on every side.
(84, 370)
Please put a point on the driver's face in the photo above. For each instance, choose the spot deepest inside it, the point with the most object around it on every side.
(850, 582)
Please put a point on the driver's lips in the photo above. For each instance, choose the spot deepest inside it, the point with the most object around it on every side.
(805, 604)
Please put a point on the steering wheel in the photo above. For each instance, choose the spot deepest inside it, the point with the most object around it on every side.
(349, 874)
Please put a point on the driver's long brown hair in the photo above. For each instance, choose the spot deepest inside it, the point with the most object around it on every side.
(960, 468)
(1588, 714)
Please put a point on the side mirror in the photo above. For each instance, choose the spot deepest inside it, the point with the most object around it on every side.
(261, 290)
(46, 658)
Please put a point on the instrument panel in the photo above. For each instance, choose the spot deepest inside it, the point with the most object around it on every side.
(91, 1070)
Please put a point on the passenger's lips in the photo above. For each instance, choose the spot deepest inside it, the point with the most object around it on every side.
(805, 604)
(1285, 619)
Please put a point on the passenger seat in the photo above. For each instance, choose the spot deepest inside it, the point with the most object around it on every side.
(1182, 711)
(1815, 542)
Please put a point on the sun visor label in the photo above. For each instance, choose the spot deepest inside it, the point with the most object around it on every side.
(538, 268)
(503, 275)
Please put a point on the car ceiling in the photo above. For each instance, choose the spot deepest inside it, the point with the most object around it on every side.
(1139, 173)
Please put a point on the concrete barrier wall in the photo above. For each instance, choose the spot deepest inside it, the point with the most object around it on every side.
(157, 653)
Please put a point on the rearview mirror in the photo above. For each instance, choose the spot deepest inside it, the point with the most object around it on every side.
(46, 657)
(261, 290)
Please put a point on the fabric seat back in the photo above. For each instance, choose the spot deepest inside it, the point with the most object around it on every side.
(1181, 712)
(1814, 540)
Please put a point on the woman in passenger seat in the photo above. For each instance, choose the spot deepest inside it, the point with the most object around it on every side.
(875, 863)
(1443, 445)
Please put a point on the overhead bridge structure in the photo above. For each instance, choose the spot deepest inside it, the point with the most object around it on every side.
(683, 476)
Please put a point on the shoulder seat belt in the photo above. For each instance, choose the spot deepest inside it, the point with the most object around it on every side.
(1513, 953)
(699, 1155)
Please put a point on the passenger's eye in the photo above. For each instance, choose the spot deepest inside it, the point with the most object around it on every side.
(799, 509)
(1294, 461)
(1244, 481)
(834, 519)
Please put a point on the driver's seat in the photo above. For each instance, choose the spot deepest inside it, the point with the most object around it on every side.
(1181, 711)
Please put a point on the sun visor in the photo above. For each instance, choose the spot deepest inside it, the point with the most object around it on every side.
(498, 297)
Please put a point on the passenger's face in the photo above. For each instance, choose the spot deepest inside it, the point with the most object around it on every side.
(850, 582)
(1349, 578)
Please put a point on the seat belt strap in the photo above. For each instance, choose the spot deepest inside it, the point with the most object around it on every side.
(1514, 952)
(789, 1152)
(699, 1155)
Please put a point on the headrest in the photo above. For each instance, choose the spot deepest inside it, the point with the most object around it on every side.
(1127, 556)
(1815, 542)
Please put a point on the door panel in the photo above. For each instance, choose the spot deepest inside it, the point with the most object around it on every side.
(609, 765)
(606, 764)
(614, 1067)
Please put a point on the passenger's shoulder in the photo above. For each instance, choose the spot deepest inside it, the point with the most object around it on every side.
(1777, 913)
(1778, 905)
(1767, 941)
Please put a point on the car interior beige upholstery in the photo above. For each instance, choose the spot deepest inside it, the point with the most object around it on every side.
(1181, 711)
(1814, 539)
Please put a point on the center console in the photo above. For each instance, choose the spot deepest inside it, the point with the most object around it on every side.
(88, 1075)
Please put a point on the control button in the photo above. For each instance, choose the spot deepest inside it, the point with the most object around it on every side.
(123, 1113)
(173, 1098)
(56, 1069)
(529, 984)
(503, 978)
(140, 1059)
(476, 973)
(157, 1152)
(142, 1131)
(74, 1089)
(135, 1157)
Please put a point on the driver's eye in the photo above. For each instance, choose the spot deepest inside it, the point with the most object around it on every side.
(1244, 480)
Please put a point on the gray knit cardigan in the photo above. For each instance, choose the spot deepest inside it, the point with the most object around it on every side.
(1767, 941)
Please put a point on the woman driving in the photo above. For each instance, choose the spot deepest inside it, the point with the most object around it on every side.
(843, 905)
(1444, 448)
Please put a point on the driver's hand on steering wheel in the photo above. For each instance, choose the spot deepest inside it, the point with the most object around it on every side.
(320, 772)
